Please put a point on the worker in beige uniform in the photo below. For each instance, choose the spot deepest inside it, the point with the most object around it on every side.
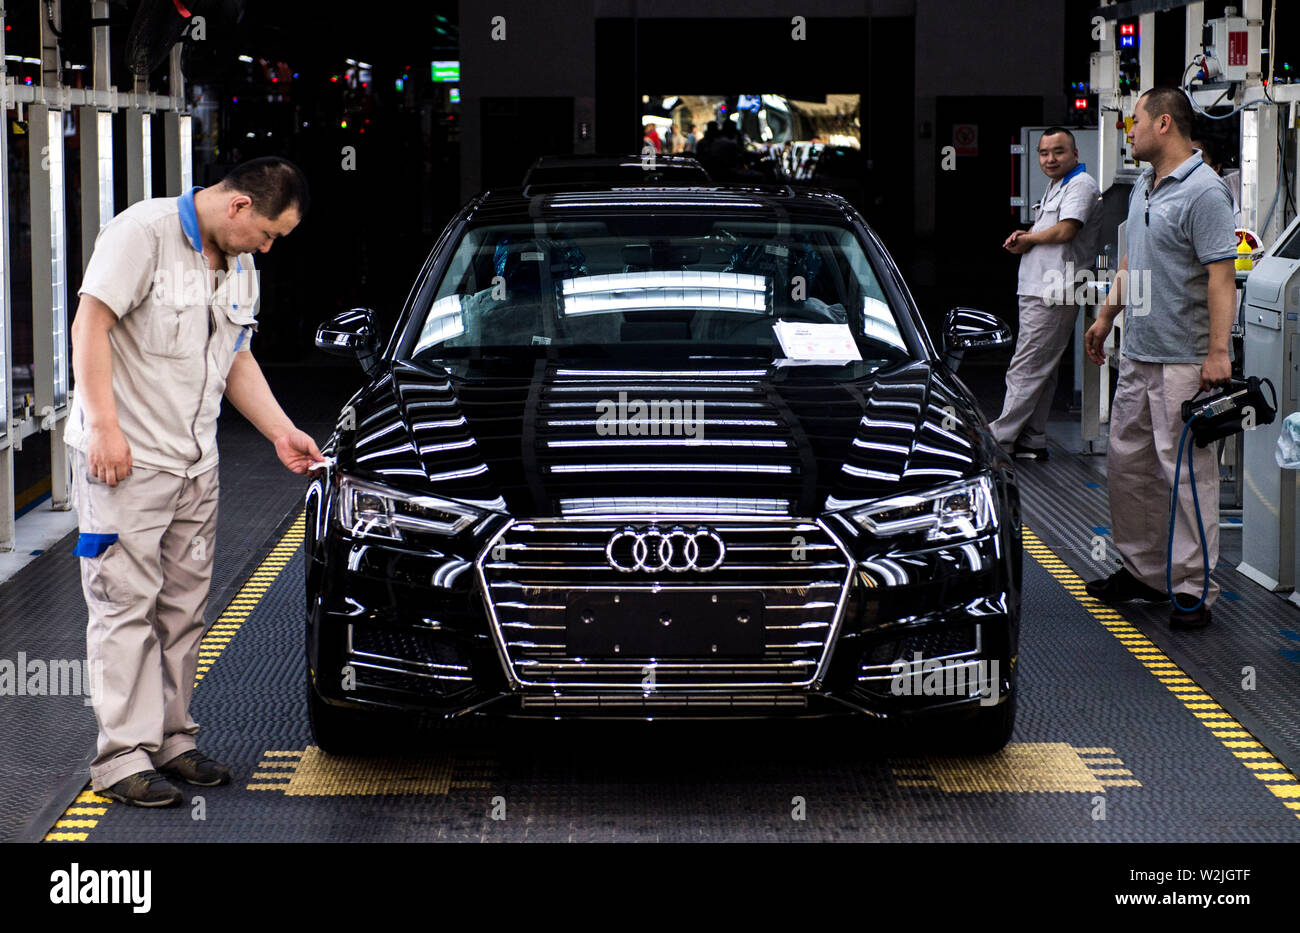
(1177, 287)
(1061, 242)
(162, 331)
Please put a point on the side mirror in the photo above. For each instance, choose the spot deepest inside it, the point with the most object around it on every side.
(351, 333)
(968, 329)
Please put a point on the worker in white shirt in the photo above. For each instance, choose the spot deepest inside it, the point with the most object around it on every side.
(1061, 243)
(162, 333)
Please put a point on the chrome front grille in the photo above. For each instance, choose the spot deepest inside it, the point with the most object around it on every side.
(676, 702)
(797, 569)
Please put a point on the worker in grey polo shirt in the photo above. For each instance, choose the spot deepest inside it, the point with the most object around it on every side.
(162, 331)
(1060, 242)
(1177, 288)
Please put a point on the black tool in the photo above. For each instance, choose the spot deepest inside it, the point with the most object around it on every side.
(1226, 411)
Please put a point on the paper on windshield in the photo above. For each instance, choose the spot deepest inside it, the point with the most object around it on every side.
(831, 343)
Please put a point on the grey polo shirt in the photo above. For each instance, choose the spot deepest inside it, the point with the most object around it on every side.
(1174, 232)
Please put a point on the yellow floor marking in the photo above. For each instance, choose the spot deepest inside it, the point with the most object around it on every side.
(1020, 768)
(317, 774)
(1221, 724)
(210, 648)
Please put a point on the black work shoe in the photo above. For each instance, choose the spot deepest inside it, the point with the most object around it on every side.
(194, 767)
(1189, 618)
(1021, 452)
(1121, 587)
(144, 789)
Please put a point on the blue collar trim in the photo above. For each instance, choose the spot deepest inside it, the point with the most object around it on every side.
(190, 223)
(190, 217)
(1189, 166)
(1077, 170)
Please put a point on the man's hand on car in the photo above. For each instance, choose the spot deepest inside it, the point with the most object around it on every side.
(297, 450)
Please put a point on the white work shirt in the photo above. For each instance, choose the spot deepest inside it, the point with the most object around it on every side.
(176, 335)
(1043, 270)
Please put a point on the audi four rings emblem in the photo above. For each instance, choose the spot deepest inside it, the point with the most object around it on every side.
(654, 549)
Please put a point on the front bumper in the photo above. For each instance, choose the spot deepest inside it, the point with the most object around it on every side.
(915, 632)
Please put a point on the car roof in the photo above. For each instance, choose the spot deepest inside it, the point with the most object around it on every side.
(573, 172)
(766, 202)
(608, 160)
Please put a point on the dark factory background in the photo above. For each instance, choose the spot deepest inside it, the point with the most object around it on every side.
(292, 80)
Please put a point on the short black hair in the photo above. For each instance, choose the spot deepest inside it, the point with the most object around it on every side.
(1053, 130)
(274, 185)
(1172, 101)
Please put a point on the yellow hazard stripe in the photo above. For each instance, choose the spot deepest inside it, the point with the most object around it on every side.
(83, 813)
(1230, 733)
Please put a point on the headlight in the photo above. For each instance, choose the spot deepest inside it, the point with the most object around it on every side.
(379, 511)
(948, 513)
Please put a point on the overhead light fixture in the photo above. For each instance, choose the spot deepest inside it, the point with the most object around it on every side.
(5, 405)
(664, 290)
(878, 323)
(185, 126)
(146, 155)
(104, 135)
(58, 259)
(444, 322)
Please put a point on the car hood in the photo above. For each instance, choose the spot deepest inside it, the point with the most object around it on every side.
(539, 438)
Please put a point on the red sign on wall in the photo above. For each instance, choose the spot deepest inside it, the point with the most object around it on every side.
(1237, 48)
(966, 139)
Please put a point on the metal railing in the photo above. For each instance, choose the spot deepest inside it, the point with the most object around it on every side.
(52, 296)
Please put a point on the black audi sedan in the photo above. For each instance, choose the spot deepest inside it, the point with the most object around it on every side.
(676, 452)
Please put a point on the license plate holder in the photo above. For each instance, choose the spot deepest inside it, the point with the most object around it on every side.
(631, 624)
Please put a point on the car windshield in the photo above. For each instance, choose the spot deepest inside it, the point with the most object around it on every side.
(748, 287)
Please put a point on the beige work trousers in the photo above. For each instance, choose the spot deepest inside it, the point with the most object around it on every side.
(145, 595)
(1145, 425)
(1031, 378)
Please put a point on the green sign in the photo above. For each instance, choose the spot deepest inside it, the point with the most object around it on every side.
(446, 71)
